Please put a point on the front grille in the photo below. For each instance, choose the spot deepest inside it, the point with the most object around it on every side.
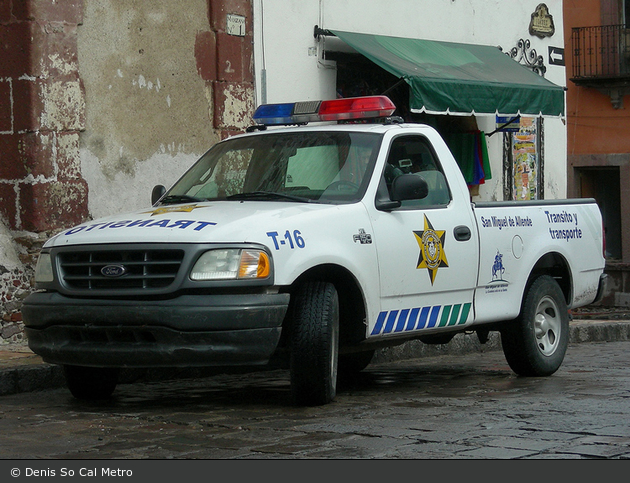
(135, 269)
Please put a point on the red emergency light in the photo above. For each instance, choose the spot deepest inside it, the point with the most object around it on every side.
(350, 108)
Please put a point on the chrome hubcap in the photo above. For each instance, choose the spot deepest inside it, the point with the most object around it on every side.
(547, 326)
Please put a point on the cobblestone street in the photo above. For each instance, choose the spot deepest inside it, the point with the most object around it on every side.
(446, 407)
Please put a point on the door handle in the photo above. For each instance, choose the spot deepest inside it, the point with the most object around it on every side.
(462, 233)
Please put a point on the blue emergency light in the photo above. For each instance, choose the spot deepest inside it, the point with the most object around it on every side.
(330, 110)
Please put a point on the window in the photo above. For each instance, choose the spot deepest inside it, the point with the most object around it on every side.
(413, 155)
(329, 167)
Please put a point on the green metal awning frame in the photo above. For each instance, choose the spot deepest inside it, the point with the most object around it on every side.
(456, 78)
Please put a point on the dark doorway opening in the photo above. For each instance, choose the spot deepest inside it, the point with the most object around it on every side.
(603, 185)
(358, 76)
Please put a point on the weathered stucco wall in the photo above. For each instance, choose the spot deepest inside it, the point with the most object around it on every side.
(99, 101)
(148, 111)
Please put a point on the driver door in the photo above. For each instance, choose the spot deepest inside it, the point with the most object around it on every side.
(427, 250)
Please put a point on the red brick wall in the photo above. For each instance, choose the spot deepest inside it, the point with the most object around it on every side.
(41, 115)
(226, 62)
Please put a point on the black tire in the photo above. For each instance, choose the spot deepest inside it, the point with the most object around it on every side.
(353, 363)
(314, 344)
(535, 343)
(91, 383)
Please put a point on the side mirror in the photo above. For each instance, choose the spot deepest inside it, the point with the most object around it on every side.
(409, 187)
(157, 193)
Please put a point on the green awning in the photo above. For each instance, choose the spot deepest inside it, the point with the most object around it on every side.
(455, 78)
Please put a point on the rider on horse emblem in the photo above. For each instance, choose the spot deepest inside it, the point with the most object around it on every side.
(497, 267)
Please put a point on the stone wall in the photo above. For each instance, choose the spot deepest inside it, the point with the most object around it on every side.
(18, 256)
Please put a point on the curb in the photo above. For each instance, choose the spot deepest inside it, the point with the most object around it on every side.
(22, 371)
(580, 331)
(30, 377)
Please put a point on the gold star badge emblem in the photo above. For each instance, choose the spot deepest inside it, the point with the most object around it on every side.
(173, 209)
(431, 243)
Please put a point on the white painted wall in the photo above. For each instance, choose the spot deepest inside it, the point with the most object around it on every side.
(288, 64)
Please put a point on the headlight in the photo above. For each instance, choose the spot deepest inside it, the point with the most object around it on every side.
(231, 264)
(43, 269)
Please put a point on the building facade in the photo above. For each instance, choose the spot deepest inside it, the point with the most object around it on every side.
(101, 100)
(598, 161)
(300, 60)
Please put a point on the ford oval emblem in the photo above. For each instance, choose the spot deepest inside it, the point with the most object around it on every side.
(113, 270)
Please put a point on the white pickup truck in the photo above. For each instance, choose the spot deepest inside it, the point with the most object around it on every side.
(309, 247)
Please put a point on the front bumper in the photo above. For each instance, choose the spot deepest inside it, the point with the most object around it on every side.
(190, 330)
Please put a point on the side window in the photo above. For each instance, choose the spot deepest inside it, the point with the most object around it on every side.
(413, 154)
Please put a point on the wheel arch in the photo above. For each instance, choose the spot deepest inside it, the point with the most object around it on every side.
(555, 265)
(352, 307)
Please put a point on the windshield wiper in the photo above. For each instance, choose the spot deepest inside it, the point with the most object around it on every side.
(268, 195)
(172, 199)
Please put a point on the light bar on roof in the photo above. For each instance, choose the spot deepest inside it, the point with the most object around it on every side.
(332, 110)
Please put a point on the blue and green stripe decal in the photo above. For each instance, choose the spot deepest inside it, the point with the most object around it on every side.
(392, 321)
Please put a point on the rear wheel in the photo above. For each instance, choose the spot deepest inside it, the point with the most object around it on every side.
(536, 342)
(91, 383)
(314, 344)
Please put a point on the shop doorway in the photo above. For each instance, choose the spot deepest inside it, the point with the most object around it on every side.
(358, 76)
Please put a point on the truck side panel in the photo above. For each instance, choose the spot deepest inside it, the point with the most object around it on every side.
(515, 236)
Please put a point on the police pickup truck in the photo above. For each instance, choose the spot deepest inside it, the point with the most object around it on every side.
(310, 247)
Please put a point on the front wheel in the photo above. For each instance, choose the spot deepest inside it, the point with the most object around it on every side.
(353, 363)
(314, 344)
(91, 383)
(536, 342)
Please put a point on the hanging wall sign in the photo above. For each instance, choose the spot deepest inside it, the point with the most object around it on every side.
(541, 24)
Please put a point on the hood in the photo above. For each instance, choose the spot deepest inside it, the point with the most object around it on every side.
(224, 221)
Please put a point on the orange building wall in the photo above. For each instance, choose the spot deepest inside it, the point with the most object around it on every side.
(593, 125)
(598, 147)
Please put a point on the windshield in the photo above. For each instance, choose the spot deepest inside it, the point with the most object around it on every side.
(327, 167)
